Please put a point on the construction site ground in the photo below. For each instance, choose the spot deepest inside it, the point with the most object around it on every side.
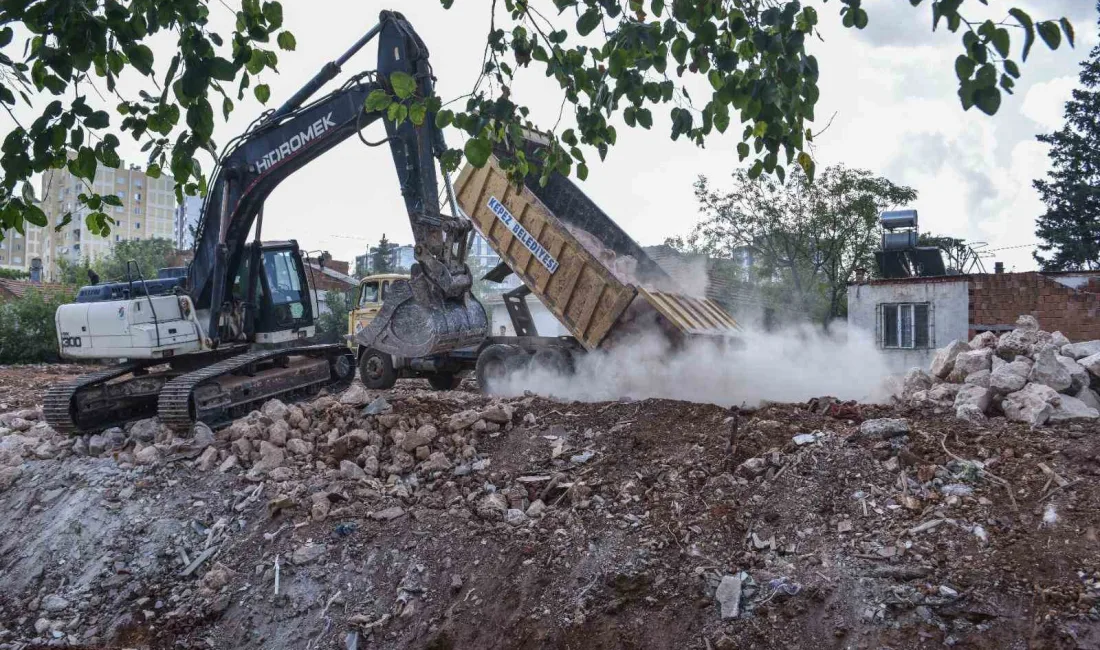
(535, 523)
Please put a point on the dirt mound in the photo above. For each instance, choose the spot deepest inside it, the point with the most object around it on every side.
(414, 519)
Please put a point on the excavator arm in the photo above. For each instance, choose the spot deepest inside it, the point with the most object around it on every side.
(434, 311)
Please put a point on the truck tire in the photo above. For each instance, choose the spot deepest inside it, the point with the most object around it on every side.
(556, 360)
(444, 381)
(376, 370)
(495, 363)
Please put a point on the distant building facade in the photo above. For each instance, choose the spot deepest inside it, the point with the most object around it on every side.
(187, 221)
(148, 211)
(401, 260)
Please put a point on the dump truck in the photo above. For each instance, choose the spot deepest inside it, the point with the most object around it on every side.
(596, 280)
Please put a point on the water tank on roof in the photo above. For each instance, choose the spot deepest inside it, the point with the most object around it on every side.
(899, 219)
(899, 241)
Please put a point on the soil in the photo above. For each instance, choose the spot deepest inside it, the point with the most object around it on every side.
(974, 536)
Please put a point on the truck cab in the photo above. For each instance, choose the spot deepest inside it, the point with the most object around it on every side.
(369, 295)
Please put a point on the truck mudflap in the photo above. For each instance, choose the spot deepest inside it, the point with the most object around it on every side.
(416, 322)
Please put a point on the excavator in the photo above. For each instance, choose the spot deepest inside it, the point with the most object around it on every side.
(232, 332)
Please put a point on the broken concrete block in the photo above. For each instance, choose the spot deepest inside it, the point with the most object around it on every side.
(944, 361)
(1033, 404)
(1091, 363)
(884, 428)
(1089, 397)
(1048, 372)
(1079, 377)
(984, 340)
(970, 362)
(1070, 408)
(1082, 349)
(976, 396)
(1010, 377)
(980, 378)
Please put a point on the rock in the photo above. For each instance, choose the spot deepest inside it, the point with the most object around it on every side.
(80, 446)
(278, 433)
(515, 517)
(979, 397)
(530, 419)
(752, 467)
(208, 459)
(321, 505)
(42, 625)
(377, 407)
(915, 380)
(535, 510)
(1028, 323)
(462, 420)
(1059, 340)
(492, 506)
(351, 471)
(149, 455)
(145, 430)
(1082, 349)
(419, 438)
(1079, 377)
(980, 378)
(349, 446)
(436, 462)
(275, 409)
(728, 596)
(97, 444)
(356, 395)
(1010, 377)
(298, 447)
(229, 463)
(1089, 397)
(1070, 408)
(944, 393)
(970, 413)
(1033, 404)
(308, 553)
(9, 475)
(280, 474)
(1048, 372)
(1016, 343)
(499, 413)
(201, 436)
(116, 438)
(944, 361)
(1091, 363)
(998, 362)
(370, 466)
(54, 603)
(884, 428)
(19, 424)
(984, 340)
(389, 514)
(970, 362)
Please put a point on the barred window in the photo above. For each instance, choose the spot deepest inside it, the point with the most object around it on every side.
(905, 325)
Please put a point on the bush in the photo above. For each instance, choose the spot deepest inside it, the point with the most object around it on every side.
(28, 333)
(332, 326)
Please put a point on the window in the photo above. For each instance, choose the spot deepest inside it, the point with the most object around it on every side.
(282, 277)
(117, 238)
(369, 294)
(906, 325)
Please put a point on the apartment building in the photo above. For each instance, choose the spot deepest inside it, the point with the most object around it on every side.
(187, 221)
(148, 210)
(23, 251)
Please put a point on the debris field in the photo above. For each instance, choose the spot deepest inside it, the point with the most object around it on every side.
(419, 519)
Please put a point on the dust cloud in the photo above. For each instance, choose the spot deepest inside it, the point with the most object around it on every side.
(788, 366)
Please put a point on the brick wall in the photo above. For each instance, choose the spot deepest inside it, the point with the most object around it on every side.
(998, 299)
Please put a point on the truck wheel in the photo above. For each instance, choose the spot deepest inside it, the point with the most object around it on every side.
(555, 360)
(444, 381)
(495, 363)
(376, 370)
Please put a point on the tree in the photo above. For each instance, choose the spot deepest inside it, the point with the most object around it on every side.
(805, 238)
(382, 256)
(151, 255)
(73, 273)
(611, 58)
(14, 274)
(1070, 228)
(333, 324)
(28, 333)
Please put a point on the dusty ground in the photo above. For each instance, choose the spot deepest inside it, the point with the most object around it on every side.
(950, 534)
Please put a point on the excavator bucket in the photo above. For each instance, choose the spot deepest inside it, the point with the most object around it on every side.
(416, 322)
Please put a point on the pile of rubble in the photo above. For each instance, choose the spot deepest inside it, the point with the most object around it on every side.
(1027, 375)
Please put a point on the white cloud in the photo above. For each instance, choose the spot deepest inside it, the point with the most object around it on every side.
(1045, 101)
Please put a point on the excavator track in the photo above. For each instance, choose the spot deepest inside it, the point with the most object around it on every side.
(234, 386)
(61, 411)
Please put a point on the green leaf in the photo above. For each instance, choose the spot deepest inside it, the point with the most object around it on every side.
(287, 41)
(477, 151)
(1049, 32)
(964, 67)
(444, 118)
(153, 171)
(397, 113)
(807, 164)
(1029, 29)
(1068, 29)
(1000, 41)
(141, 57)
(263, 93)
(417, 112)
(742, 150)
(5, 36)
(582, 171)
(658, 7)
(377, 100)
(755, 170)
(988, 100)
(645, 118)
(404, 85)
(588, 21)
(97, 120)
(111, 199)
(859, 18)
(1011, 68)
(227, 108)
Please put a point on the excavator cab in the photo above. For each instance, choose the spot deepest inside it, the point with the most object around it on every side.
(283, 304)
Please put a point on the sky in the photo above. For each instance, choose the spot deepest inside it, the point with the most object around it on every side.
(888, 97)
